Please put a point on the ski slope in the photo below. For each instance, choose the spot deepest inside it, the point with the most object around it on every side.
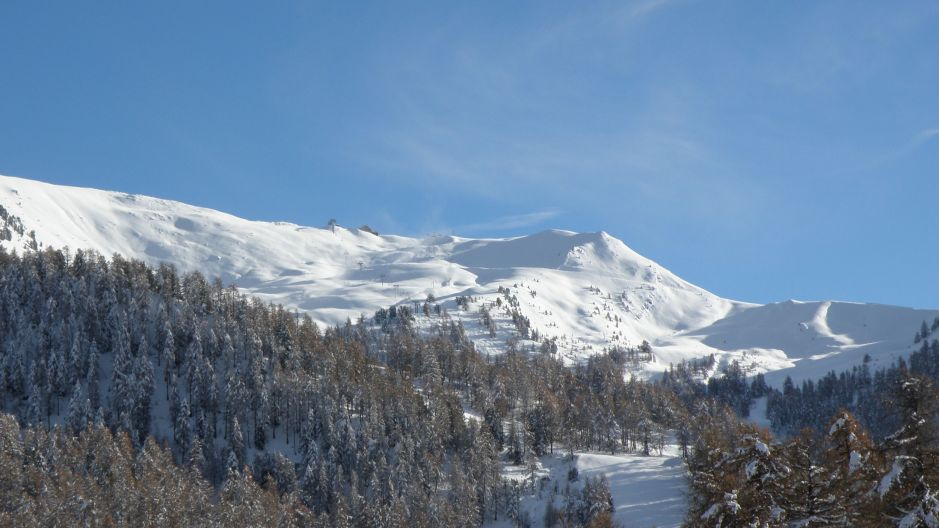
(587, 290)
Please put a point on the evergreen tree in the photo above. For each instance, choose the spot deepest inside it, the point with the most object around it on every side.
(854, 466)
(77, 410)
(168, 354)
(94, 367)
(909, 489)
(34, 406)
(182, 433)
(143, 392)
(237, 441)
(123, 388)
(197, 461)
(806, 495)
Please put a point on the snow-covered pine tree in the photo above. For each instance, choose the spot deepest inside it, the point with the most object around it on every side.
(78, 407)
(806, 494)
(237, 441)
(182, 433)
(123, 380)
(739, 484)
(910, 488)
(855, 467)
(34, 407)
(94, 368)
(143, 390)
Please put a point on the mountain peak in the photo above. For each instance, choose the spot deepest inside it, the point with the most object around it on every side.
(589, 291)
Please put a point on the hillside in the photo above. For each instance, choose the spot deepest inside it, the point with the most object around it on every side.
(587, 290)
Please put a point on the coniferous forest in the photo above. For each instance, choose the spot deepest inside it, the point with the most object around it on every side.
(115, 369)
(136, 396)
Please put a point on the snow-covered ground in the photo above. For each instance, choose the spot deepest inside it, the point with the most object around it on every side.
(758, 413)
(588, 290)
(647, 491)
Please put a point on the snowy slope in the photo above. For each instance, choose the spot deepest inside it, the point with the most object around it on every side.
(804, 340)
(647, 490)
(589, 290)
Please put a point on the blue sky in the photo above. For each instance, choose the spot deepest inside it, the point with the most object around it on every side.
(764, 151)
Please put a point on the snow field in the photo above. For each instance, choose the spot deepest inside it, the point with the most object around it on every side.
(647, 490)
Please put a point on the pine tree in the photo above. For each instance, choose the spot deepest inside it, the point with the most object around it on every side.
(197, 461)
(194, 363)
(516, 447)
(909, 489)
(175, 406)
(14, 369)
(738, 485)
(806, 494)
(537, 430)
(56, 376)
(143, 391)
(94, 367)
(262, 419)
(237, 440)
(123, 389)
(76, 365)
(182, 434)
(232, 468)
(34, 406)
(234, 396)
(168, 354)
(77, 410)
(855, 465)
(494, 422)
(597, 502)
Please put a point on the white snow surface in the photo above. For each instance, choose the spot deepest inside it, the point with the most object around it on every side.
(890, 479)
(589, 290)
(647, 490)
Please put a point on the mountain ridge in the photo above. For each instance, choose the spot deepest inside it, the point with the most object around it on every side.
(588, 291)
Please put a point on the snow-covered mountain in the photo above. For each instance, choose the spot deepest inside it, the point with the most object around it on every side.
(588, 290)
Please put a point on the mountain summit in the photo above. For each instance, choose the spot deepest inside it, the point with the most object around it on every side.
(586, 291)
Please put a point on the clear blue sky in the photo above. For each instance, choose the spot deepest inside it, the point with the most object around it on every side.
(763, 150)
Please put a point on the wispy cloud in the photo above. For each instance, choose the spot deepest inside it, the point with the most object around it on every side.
(638, 10)
(924, 136)
(891, 154)
(507, 223)
(832, 50)
(494, 120)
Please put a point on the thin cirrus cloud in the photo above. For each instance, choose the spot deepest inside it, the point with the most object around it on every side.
(891, 155)
(488, 120)
(594, 111)
(510, 222)
(639, 10)
(924, 136)
(652, 169)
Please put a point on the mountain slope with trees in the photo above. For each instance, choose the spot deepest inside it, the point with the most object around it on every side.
(585, 292)
(361, 423)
